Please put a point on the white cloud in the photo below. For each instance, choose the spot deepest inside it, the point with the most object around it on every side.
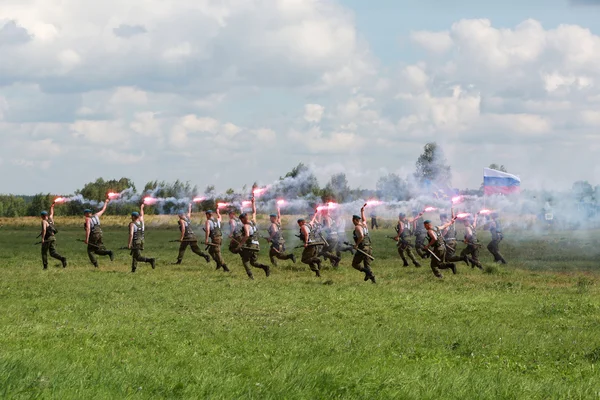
(313, 112)
(435, 42)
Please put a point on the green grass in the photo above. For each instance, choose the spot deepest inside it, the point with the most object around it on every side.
(527, 330)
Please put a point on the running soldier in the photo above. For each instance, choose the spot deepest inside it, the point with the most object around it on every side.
(310, 253)
(449, 236)
(48, 238)
(496, 230)
(340, 228)
(438, 254)
(235, 232)
(420, 236)
(136, 240)
(332, 247)
(188, 237)
(249, 245)
(471, 252)
(362, 245)
(326, 250)
(404, 246)
(212, 229)
(93, 235)
(277, 250)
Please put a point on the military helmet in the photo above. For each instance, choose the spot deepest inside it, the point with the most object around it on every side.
(135, 214)
(301, 220)
(44, 213)
(87, 211)
(208, 212)
(356, 217)
(401, 215)
(426, 222)
(273, 215)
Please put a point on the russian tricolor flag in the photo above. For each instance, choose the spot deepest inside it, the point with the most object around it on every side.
(498, 182)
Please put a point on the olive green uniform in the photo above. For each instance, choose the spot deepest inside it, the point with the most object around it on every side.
(249, 252)
(404, 245)
(439, 249)
(95, 245)
(360, 258)
(420, 236)
(49, 245)
(216, 239)
(189, 239)
(310, 254)
(327, 251)
(494, 246)
(471, 252)
(137, 245)
(277, 249)
(236, 227)
(449, 236)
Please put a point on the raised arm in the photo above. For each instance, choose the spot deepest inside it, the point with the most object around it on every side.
(189, 213)
(52, 211)
(419, 215)
(315, 217)
(447, 224)
(362, 213)
(253, 209)
(101, 212)
(219, 217)
(142, 212)
(278, 214)
(475, 220)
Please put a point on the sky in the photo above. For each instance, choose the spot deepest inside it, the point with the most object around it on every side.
(231, 92)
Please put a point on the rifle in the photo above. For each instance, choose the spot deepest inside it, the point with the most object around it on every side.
(433, 254)
(310, 245)
(36, 243)
(183, 241)
(361, 251)
(89, 244)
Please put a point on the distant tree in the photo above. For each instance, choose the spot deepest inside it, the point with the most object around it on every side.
(299, 182)
(392, 187)
(431, 167)
(39, 203)
(337, 189)
(583, 191)
(97, 190)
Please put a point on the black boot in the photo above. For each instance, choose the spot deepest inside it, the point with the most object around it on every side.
(266, 269)
(405, 263)
(111, 255)
(293, 258)
(417, 264)
(452, 267)
(250, 275)
(225, 269)
(45, 267)
(64, 262)
(153, 263)
(207, 258)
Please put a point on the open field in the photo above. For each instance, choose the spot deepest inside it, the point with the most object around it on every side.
(527, 330)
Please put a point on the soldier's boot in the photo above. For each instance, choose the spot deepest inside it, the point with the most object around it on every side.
(266, 268)
(178, 262)
(317, 273)
(133, 267)
(452, 266)
(95, 264)
(45, 267)
(293, 258)
(111, 255)
(64, 262)
(152, 262)
(369, 275)
(249, 272)
(225, 268)
(335, 261)
(404, 261)
(465, 259)
(206, 257)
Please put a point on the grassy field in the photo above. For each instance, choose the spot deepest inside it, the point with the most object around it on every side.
(530, 329)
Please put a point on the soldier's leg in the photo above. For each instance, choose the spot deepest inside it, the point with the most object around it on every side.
(500, 256)
(412, 257)
(215, 253)
(101, 250)
(90, 252)
(435, 267)
(358, 262)
(55, 254)
(401, 254)
(45, 247)
(273, 255)
(254, 262)
(196, 249)
(367, 266)
(182, 247)
(246, 262)
(309, 257)
(475, 257)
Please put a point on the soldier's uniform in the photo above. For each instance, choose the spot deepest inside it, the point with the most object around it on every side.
(439, 249)
(310, 254)
(137, 246)
(216, 239)
(360, 258)
(449, 237)
(420, 236)
(404, 245)
(277, 249)
(340, 229)
(471, 252)
(236, 227)
(49, 245)
(95, 245)
(327, 250)
(494, 246)
(189, 239)
(249, 252)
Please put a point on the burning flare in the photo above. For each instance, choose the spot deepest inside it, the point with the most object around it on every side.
(457, 199)
(463, 215)
(150, 201)
(199, 199)
(112, 195)
(485, 212)
(259, 191)
(430, 209)
(223, 205)
(373, 203)
(60, 200)
(280, 202)
(246, 203)
(332, 205)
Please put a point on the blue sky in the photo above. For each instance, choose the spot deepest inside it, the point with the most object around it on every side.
(233, 92)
